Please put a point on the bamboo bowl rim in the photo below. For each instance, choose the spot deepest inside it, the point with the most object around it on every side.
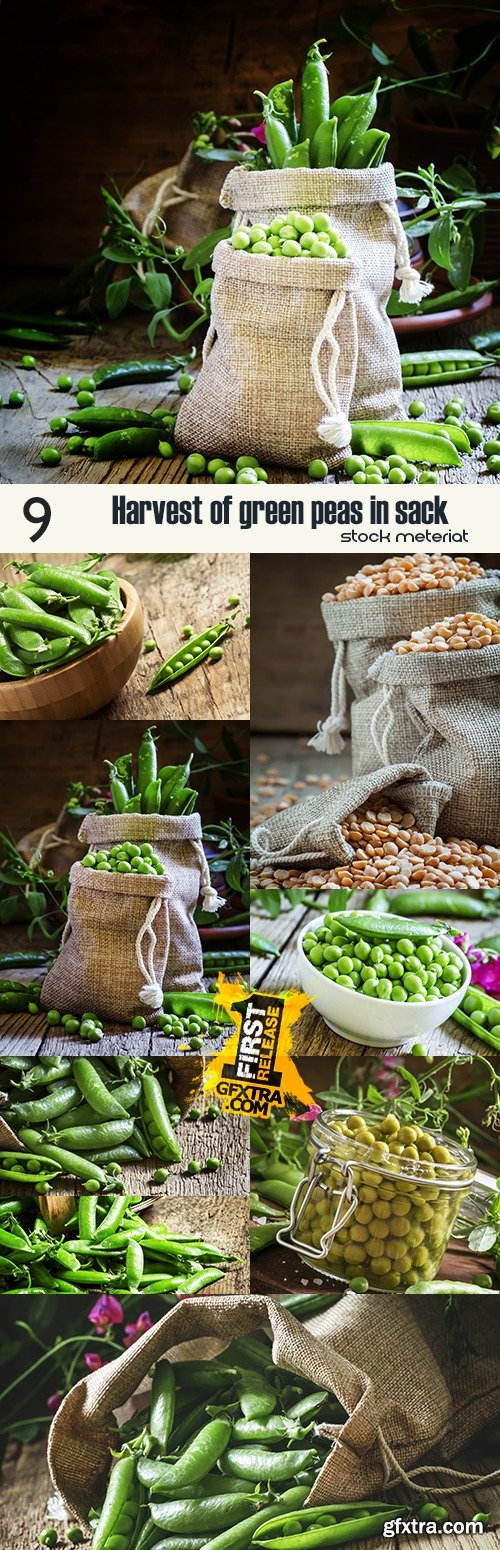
(59, 674)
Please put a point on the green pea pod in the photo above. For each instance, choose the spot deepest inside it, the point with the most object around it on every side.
(147, 764)
(262, 948)
(386, 928)
(156, 1121)
(486, 1035)
(343, 106)
(162, 1403)
(447, 1289)
(324, 146)
(106, 418)
(138, 371)
(315, 92)
(424, 368)
(211, 1514)
(134, 1265)
(257, 1399)
(443, 901)
(50, 624)
(357, 121)
(243, 1536)
(96, 1090)
(121, 1486)
(454, 433)
(69, 581)
(277, 138)
(151, 801)
(86, 1138)
(379, 438)
(133, 442)
(283, 102)
(257, 1463)
(133, 805)
(69, 1161)
(11, 665)
(298, 156)
(189, 656)
(205, 1450)
(368, 149)
(119, 793)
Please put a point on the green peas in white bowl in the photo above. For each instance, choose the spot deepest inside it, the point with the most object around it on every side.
(392, 985)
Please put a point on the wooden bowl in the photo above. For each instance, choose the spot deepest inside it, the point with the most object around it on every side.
(84, 686)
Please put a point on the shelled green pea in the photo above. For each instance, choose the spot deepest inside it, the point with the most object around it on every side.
(124, 858)
(389, 971)
(294, 235)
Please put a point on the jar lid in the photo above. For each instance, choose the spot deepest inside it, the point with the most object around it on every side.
(339, 1144)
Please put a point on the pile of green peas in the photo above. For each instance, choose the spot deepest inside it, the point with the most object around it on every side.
(396, 971)
(87, 1027)
(247, 469)
(194, 1029)
(126, 858)
(454, 414)
(294, 235)
(394, 469)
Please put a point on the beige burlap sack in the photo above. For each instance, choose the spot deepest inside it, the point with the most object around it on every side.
(279, 360)
(365, 627)
(128, 936)
(310, 835)
(372, 1354)
(185, 198)
(444, 711)
(363, 207)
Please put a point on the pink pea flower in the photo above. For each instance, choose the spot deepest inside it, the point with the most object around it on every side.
(105, 1312)
(134, 1331)
(259, 133)
(53, 1402)
(93, 1361)
(310, 1114)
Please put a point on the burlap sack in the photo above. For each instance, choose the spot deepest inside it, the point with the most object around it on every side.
(309, 835)
(443, 710)
(364, 627)
(372, 1354)
(363, 207)
(127, 935)
(186, 198)
(279, 360)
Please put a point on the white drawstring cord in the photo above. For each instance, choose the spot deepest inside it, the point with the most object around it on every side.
(151, 993)
(327, 739)
(378, 731)
(413, 288)
(211, 900)
(334, 428)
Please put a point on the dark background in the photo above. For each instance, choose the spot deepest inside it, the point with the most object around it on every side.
(37, 765)
(106, 89)
(292, 658)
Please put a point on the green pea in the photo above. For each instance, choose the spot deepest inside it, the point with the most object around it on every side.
(240, 240)
(399, 993)
(395, 970)
(59, 423)
(491, 448)
(16, 399)
(346, 980)
(138, 1023)
(48, 1537)
(411, 472)
(383, 467)
(454, 409)
(369, 988)
(359, 1284)
(75, 444)
(353, 465)
(361, 950)
(317, 469)
(214, 464)
(493, 464)
(416, 408)
(29, 362)
(86, 384)
(493, 413)
(53, 1018)
(50, 456)
(213, 1111)
(412, 983)
(72, 1025)
(196, 1042)
(396, 461)
(215, 653)
(160, 1176)
(376, 955)
(397, 475)
(373, 476)
(246, 476)
(474, 432)
(404, 946)
(384, 989)
(64, 382)
(165, 449)
(427, 477)
(184, 382)
(196, 463)
(359, 478)
(345, 965)
(194, 1166)
(85, 400)
(224, 475)
(212, 1164)
(262, 476)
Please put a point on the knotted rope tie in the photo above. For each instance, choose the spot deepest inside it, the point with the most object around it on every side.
(211, 900)
(413, 289)
(467, 1482)
(327, 739)
(177, 197)
(334, 428)
(151, 993)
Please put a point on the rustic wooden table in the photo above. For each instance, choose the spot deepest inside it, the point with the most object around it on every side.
(179, 589)
(27, 430)
(281, 1270)
(27, 1490)
(312, 1036)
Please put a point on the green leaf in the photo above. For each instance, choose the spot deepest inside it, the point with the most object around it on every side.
(375, 1097)
(158, 288)
(482, 1239)
(202, 253)
(440, 240)
(414, 1086)
(461, 257)
(117, 295)
(120, 255)
(36, 902)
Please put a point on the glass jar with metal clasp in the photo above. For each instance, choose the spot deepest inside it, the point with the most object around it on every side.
(379, 1200)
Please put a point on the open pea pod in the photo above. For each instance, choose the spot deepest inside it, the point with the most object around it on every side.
(380, 438)
(385, 928)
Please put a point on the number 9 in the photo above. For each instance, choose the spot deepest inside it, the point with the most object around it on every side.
(41, 519)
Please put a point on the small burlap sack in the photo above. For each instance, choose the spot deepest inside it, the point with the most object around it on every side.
(366, 626)
(186, 198)
(372, 1354)
(309, 835)
(363, 208)
(128, 936)
(442, 709)
(279, 360)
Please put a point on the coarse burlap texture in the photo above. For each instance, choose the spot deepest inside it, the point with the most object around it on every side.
(364, 627)
(309, 834)
(186, 198)
(279, 360)
(390, 1371)
(362, 205)
(444, 710)
(98, 967)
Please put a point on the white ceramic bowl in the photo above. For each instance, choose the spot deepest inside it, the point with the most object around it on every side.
(364, 1019)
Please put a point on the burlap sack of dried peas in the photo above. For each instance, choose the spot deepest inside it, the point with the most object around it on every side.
(310, 835)
(365, 627)
(392, 1374)
(442, 709)
(128, 936)
(362, 205)
(279, 360)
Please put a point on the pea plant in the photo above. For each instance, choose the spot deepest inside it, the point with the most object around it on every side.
(444, 208)
(30, 893)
